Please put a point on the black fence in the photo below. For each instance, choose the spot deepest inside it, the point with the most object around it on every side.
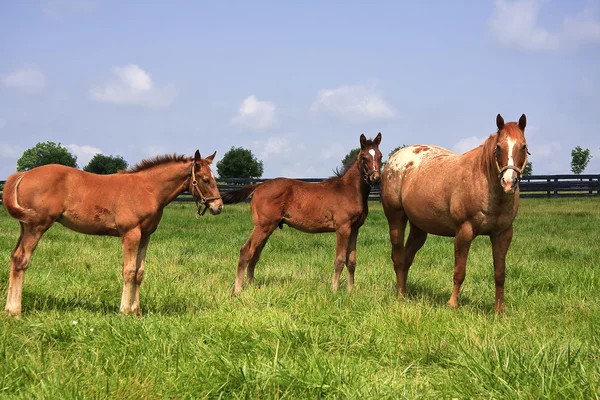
(550, 186)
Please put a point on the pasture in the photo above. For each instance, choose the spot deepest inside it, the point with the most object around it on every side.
(289, 335)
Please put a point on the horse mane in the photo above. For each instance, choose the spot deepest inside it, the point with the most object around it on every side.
(487, 158)
(161, 159)
(339, 172)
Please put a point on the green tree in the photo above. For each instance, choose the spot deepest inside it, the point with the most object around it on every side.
(528, 170)
(580, 159)
(105, 165)
(349, 159)
(45, 153)
(239, 163)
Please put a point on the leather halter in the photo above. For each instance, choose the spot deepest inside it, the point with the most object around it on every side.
(199, 198)
(513, 167)
(367, 174)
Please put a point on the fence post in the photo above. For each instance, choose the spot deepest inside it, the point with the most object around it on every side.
(555, 188)
(591, 181)
(548, 190)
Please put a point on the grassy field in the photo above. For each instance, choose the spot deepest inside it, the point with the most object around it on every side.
(289, 336)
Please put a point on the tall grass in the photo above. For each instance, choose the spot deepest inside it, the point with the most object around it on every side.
(288, 335)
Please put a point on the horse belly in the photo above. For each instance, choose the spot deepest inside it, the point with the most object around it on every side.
(429, 214)
(319, 224)
(100, 222)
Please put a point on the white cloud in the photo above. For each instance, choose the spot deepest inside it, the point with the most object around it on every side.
(353, 103)
(274, 146)
(29, 79)
(333, 150)
(545, 150)
(131, 85)
(57, 9)
(8, 151)
(153, 150)
(283, 147)
(515, 25)
(84, 153)
(255, 114)
(466, 144)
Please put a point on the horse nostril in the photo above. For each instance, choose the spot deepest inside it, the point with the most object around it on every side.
(515, 181)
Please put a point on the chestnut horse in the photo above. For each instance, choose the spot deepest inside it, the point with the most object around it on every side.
(338, 204)
(446, 194)
(128, 204)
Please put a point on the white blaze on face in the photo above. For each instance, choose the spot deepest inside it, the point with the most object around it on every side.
(372, 153)
(509, 174)
(211, 174)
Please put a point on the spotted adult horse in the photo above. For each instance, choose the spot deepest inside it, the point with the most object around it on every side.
(460, 195)
(338, 204)
(128, 204)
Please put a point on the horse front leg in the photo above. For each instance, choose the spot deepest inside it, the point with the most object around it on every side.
(342, 234)
(462, 244)
(131, 243)
(500, 245)
(139, 274)
(351, 257)
(19, 261)
(250, 253)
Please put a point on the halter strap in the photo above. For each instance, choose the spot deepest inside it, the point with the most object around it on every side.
(367, 175)
(199, 198)
(513, 167)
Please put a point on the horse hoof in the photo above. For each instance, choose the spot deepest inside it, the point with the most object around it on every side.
(453, 304)
(13, 314)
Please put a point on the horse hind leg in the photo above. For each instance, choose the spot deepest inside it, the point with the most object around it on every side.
(351, 258)
(416, 240)
(250, 254)
(19, 261)
(139, 274)
(341, 253)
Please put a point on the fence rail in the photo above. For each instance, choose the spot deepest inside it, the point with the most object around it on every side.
(532, 186)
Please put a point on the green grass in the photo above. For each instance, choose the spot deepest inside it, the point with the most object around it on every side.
(289, 336)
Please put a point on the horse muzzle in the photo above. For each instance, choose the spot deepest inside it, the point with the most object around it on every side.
(215, 206)
(509, 185)
(374, 177)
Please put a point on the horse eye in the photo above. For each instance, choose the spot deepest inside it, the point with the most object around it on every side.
(524, 147)
(497, 148)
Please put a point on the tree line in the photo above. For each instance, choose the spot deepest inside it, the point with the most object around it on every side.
(237, 162)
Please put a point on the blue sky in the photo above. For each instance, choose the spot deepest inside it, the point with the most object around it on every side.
(297, 82)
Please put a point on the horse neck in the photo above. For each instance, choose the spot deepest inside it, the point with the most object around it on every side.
(167, 181)
(354, 179)
(486, 170)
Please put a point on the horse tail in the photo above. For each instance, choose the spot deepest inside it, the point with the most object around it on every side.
(237, 196)
(9, 198)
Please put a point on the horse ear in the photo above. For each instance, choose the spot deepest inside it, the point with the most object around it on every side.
(197, 156)
(522, 122)
(211, 157)
(363, 140)
(499, 122)
(377, 139)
